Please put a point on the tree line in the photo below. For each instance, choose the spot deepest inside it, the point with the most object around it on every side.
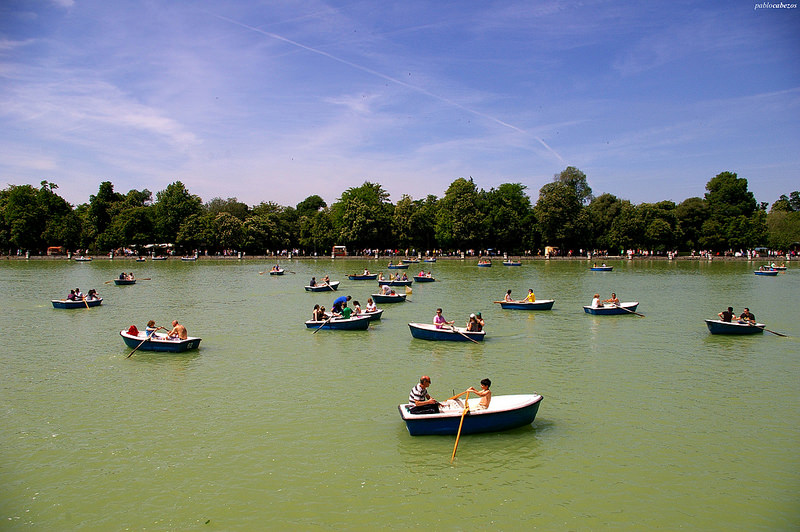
(566, 215)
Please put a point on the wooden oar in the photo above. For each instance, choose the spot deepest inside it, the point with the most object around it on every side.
(85, 302)
(453, 327)
(143, 279)
(751, 324)
(111, 281)
(457, 396)
(142, 342)
(461, 424)
(323, 325)
(626, 310)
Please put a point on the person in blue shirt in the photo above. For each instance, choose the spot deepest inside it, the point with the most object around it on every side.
(338, 303)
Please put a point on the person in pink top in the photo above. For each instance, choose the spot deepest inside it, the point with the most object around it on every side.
(439, 320)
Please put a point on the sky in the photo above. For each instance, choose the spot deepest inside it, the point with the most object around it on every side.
(278, 100)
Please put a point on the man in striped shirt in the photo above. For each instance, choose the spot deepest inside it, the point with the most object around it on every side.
(421, 400)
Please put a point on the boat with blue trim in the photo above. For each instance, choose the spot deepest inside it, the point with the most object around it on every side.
(542, 304)
(388, 298)
(734, 327)
(159, 342)
(323, 287)
(81, 303)
(612, 310)
(353, 323)
(428, 331)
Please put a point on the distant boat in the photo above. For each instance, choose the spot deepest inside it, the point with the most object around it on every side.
(188, 259)
(428, 331)
(485, 263)
(424, 278)
(279, 271)
(622, 308)
(410, 261)
(511, 263)
(83, 259)
(542, 304)
(734, 327)
(433, 259)
(124, 282)
(363, 276)
(601, 268)
(82, 303)
(505, 412)
(396, 282)
(141, 259)
(397, 266)
(388, 298)
(323, 287)
(159, 342)
(354, 323)
(160, 258)
(771, 273)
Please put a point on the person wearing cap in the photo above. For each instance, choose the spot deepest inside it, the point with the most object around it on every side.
(479, 321)
(472, 324)
(727, 315)
(420, 400)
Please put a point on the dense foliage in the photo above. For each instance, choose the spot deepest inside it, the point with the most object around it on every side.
(566, 215)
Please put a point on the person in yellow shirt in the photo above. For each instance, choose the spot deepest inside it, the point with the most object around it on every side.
(531, 297)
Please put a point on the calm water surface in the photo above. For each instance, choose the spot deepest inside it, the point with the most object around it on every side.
(646, 422)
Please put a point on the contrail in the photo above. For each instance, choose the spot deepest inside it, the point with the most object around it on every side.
(391, 79)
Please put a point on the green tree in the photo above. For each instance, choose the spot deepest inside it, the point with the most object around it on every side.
(733, 219)
(602, 211)
(560, 213)
(362, 217)
(232, 206)
(101, 206)
(788, 203)
(460, 218)
(174, 205)
(691, 213)
(510, 217)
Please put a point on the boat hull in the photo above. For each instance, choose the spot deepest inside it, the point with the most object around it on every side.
(484, 265)
(398, 266)
(380, 298)
(724, 327)
(277, 272)
(356, 323)
(373, 316)
(410, 261)
(505, 412)
(420, 279)
(159, 343)
(124, 282)
(370, 277)
(623, 308)
(512, 264)
(601, 269)
(769, 273)
(323, 288)
(428, 331)
(544, 304)
(67, 304)
(396, 283)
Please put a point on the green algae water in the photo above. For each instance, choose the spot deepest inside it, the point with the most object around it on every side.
(646, 423)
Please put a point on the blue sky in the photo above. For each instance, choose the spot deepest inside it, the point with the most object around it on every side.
(278, 100)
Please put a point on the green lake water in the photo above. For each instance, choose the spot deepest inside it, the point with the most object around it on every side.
(646, 423)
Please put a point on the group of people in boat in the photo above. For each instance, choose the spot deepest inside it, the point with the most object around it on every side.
(728, 316)
(178, 331)
(77, 295)
(276, 268)
(421, 402)
(126, 276)
(530, 298)
(341, 309)
(612, 301)
(475, 321)
(325, 281)
(423, 274)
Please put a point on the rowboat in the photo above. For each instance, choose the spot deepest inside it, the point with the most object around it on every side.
(505, 412)
(396, 282)
(424, 278)
(83, 259)
(430, 260)
(188, 259)
(511, 263)
(354, 323)
(485, 264)
(374, 315)
(601, 268)
(159, 342)
(66, 303)
(623, 308)
(325, 287)
(279, 271)
(141, 259)
(410, 261)
(771, 273)
(363, 277)
(397, 266)
(124, 282)
(159, 258)
(542, 304)
(428, 331)
(385, 298)
(779, 268)
(734, 327)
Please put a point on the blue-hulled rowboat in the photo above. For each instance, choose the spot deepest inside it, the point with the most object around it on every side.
(323, 287)
(428, 331)
(373, 316)
(622, 308)
(542, 304)
(424, 279)
(124, 282)
(387, 298)
(430, 260)
(505, 412)
(601, 268)
(66, 303)
(734, 327)
(353, 323)
(770, 273)
(410, 261)
(511, 263)
(279, 271)
(159, 342)
(397, 266)
(485, 264)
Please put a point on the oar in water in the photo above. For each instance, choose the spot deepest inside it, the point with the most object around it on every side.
(142, 342)
(111, 281)
(460, 424)
(85, 302)
(323, 325)
(627, 310)
(751, 324)
(455, 329)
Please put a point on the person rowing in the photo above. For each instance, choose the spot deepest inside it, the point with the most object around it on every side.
(439, 321)
(531, 297)
(747, 317)
(612, 301)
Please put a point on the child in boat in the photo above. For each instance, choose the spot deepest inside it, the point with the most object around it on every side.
(484, 393)
(371, 307)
